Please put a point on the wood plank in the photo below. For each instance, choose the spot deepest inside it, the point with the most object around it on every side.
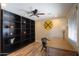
(34, 49)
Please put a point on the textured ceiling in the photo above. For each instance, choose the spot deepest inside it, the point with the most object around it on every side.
(50, 9)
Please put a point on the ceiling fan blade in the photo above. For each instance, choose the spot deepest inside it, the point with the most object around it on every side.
(37, 15)
(25, 11)
(40, 13)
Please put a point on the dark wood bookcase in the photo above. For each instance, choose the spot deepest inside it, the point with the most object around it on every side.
(0, 27)
(15, 31)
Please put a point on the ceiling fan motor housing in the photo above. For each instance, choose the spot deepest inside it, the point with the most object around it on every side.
(35, 11)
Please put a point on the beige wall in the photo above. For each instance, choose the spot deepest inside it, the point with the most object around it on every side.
(54, 33)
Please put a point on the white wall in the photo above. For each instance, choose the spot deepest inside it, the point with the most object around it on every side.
(78, 28)
(72, 30)
(73, 24)
(54, 33)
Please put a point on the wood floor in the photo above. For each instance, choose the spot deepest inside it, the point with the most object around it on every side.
(55, 48)
(60, 52)
(30, 50)
(60, 43)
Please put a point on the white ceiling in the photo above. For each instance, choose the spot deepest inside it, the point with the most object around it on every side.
(50, 9)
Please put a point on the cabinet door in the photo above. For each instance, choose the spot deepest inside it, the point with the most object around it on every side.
(6, 31)
(25, 30)
(11, 30)
(33, 30)
(0, 28)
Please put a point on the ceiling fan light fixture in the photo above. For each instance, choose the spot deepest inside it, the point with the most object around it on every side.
(55, 16)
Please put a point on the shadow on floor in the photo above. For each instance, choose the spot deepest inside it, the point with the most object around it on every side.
(60, 52)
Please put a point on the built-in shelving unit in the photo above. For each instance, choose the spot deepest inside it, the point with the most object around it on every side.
(16, 31)
(0, 28)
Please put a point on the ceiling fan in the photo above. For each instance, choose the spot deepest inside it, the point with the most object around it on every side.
(34, 12)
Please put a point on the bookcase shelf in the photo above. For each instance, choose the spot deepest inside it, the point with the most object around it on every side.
(16, 31)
